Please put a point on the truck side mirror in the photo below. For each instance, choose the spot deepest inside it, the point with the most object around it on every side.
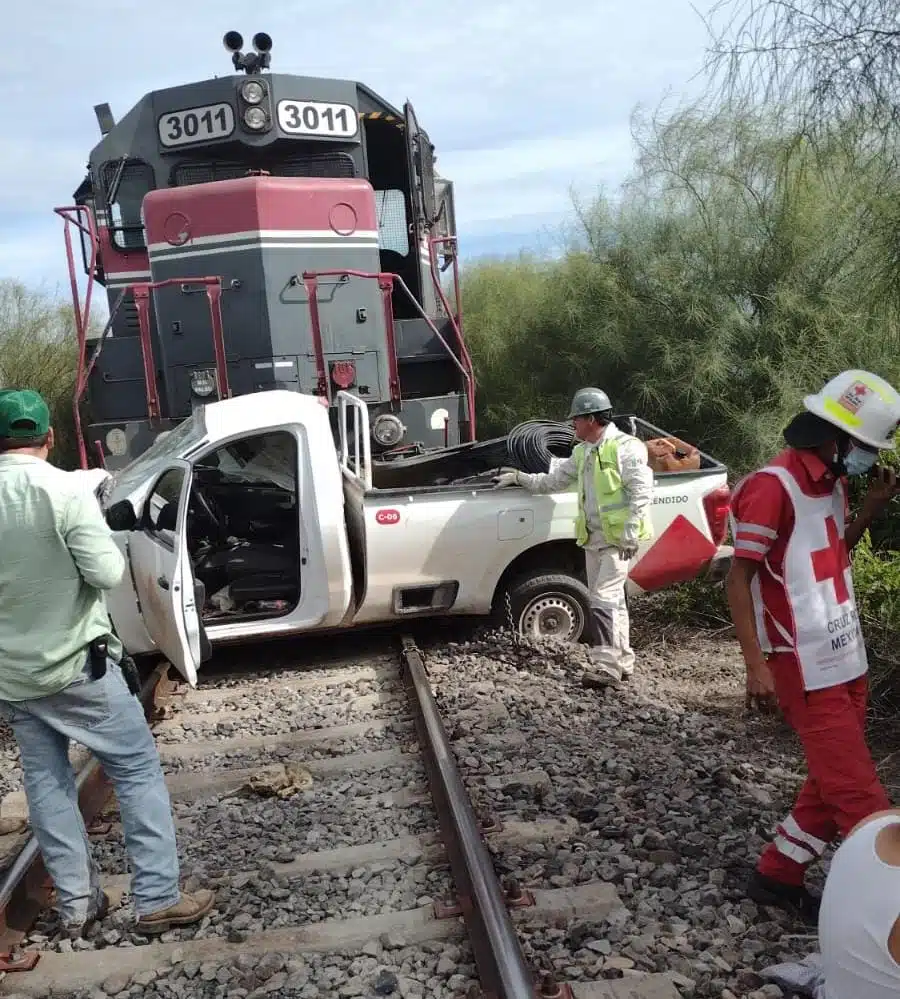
(168, 517)
(121, 516)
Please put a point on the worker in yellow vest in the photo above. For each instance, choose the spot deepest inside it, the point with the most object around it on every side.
(615, 488)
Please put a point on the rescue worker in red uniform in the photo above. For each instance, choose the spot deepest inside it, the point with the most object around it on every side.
(791, 596)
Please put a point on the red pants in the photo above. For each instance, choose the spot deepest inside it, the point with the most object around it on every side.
(842, 787)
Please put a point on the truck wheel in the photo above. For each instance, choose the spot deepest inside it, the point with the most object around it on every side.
(547, 606)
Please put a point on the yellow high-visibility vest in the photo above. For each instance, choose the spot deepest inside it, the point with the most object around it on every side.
(612, 500)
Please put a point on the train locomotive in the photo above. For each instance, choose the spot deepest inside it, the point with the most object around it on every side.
(262, 231)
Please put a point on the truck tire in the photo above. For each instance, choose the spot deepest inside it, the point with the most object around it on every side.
(549, 605)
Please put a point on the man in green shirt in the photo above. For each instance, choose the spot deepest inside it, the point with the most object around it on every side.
(58, 559)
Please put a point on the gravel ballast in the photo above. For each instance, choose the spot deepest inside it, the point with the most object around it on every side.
(385, 967)
(236, 832)
(279, 710)
(675, 792)
(253, 902)
(673, 788)
(10, 771)
(400, 736)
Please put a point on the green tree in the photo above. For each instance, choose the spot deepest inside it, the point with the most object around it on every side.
(735, 272)
(38, 350)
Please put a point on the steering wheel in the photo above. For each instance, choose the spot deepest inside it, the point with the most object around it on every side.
(210, 510)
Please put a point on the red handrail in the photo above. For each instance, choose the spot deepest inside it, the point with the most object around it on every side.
(312, 286)
(141, 292)
(71, 216)
(386, 287)
(456, 320)
(386, 283)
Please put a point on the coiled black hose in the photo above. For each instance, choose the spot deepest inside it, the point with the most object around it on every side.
(532, 444)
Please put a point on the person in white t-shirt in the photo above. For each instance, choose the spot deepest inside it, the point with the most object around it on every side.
(859, 920)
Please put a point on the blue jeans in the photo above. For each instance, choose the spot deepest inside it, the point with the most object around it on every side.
(107, 719)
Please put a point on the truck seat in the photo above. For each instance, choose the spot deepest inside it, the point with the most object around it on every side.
(238, 564)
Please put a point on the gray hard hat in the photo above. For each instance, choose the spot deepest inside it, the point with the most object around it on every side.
(588, 401)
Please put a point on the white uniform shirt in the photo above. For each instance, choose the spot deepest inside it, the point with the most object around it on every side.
(860, 905)
(637, 481)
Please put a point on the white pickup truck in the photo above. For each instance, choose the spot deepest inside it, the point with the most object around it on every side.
(246, 522)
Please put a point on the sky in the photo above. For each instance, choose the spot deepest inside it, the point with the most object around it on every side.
(525, 101)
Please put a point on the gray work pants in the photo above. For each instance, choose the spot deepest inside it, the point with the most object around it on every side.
(607, 572)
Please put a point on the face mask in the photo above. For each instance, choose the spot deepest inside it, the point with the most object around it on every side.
(858, 461)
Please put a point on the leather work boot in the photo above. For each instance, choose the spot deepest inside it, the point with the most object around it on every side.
(190, 908)
(796, 899)
(96, 912)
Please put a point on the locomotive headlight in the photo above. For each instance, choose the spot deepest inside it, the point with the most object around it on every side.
(255, 118)
(203, 383)
(387, 430)
(252, 92)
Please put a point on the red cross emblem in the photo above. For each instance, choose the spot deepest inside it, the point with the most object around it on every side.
(830, 563)
(854, 396)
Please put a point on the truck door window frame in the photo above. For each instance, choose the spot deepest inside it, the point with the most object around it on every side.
(150, 516)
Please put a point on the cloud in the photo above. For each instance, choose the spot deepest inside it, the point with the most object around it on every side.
(523, 99)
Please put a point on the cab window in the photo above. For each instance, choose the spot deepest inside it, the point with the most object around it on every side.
(393, 225)
(161, 509)
(125, 182)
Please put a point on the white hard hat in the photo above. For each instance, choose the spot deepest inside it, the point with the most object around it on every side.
(861, 404)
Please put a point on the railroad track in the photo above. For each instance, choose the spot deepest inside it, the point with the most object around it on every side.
(352, 852)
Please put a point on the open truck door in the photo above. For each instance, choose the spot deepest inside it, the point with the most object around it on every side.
(162, 572)
(420, 162)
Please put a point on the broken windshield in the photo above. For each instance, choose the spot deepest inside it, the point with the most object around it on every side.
(167, 447)
(262, 460)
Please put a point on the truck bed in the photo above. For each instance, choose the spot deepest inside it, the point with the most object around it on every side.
(473, 465)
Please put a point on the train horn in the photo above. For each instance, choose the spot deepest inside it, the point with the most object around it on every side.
(234, 41)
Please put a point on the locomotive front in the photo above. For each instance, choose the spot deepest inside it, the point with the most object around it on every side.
(269, 231)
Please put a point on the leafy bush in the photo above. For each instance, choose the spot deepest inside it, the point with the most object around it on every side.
(38, 351)
(876, 578)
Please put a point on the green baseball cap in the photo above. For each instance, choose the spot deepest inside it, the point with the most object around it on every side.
(23, 414)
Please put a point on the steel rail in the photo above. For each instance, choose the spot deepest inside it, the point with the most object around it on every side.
(502, 967)
(25, 886)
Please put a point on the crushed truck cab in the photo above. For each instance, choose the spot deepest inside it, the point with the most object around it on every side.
(245, 522)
